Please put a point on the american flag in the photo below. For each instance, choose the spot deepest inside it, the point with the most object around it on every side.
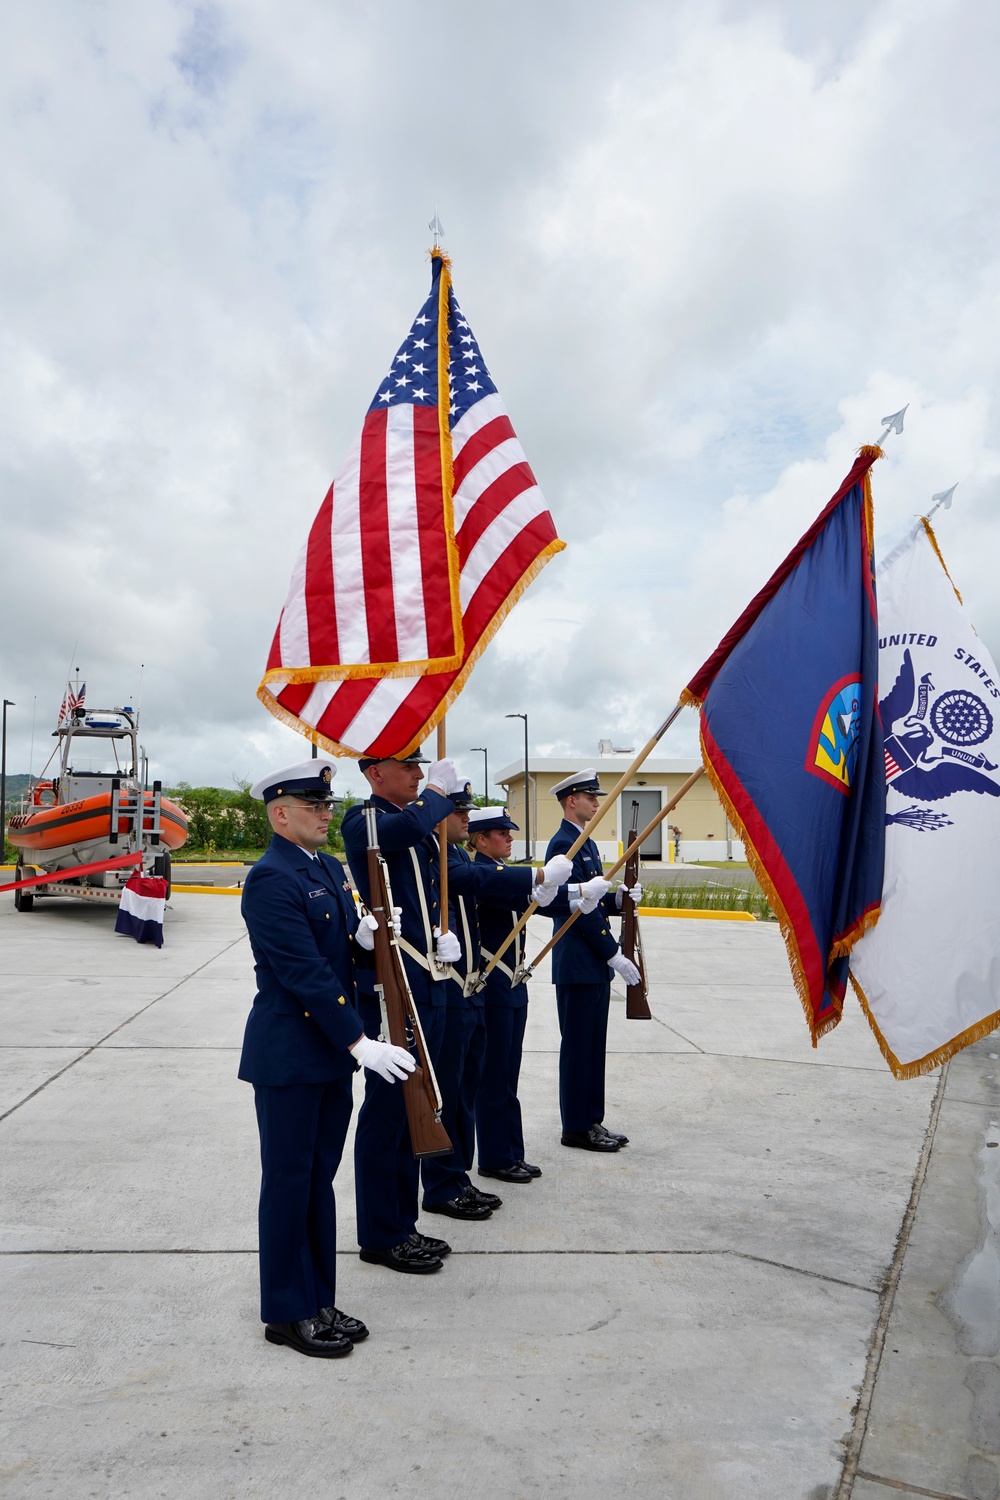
(425, 540)
(72, 700)
(891, 767)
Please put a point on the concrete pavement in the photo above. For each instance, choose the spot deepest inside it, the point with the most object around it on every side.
(790, 1233)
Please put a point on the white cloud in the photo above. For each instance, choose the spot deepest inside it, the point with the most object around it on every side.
(703, 250)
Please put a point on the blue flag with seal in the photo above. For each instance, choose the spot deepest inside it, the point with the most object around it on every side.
(792, 741)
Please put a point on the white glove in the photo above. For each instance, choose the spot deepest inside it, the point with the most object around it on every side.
(556, 871)
(443, 775)
(383, 1058)
(543, 893)
(635, 891)
(625, 968)
(592, 893)
(365, 935)
(447, 947)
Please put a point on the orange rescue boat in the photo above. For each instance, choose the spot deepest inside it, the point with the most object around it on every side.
(99, 805)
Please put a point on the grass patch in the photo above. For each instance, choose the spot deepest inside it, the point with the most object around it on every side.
(709, 895)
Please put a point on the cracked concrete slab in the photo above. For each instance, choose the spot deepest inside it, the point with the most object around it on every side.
(688, 1320)
(548, 1376)
(935, 1416)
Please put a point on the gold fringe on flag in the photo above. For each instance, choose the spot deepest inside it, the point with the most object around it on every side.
(924, 1065)
(937, 551)
(447, 458)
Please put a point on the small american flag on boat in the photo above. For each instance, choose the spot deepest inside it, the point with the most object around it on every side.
(72, 700)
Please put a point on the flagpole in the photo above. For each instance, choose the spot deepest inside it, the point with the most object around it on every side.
(640, 838)
(444, 402)
(893, 423)
(442, 833)
(940, 501)
(612, 796)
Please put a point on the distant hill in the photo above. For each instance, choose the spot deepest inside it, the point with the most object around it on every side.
(19, 786)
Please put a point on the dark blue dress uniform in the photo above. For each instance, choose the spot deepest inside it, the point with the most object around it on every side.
(498, 1111)
(583, 988)
(301, 919)
(386, 1173)
(463, 1051)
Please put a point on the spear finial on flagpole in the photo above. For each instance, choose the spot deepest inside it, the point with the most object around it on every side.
(436, 228)
(941, 501)
(893, 423)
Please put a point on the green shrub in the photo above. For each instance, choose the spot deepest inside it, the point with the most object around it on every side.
(233, 822)
(708, 895)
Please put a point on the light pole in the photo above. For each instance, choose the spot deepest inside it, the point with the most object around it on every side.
(528, 850)
(486, 767)
(3, 780)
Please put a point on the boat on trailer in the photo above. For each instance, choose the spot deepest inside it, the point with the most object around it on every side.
(95, 806)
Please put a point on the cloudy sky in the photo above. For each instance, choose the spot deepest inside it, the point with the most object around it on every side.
(704, 248)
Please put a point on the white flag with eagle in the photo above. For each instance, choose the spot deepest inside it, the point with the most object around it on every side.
(928, 975)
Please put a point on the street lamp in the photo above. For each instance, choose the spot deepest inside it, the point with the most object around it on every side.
(486, 767)
(3, 779)
(528, 850)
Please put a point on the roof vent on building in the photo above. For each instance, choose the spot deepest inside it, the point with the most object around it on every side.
(604, 747)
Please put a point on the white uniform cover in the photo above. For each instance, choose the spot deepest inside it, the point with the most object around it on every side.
(928, 975)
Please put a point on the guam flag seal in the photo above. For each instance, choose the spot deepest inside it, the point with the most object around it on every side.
(792, 741)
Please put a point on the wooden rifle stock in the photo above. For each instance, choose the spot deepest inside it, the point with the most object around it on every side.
(400, 1022)
(636, 995)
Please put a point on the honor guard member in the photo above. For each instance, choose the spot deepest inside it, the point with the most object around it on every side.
(303, 1042)
(499, 1131)
(448, 1189)
(581, 971)
(386, 1173)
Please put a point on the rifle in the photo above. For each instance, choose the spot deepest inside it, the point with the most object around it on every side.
(400, 1022)
(636, 1002)
(526, 968)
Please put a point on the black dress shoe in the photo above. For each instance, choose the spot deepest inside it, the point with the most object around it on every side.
(309, 1336)
(514, 1173)
(612, 1135)
(405, 1257)
(351, 1328)
(490, 1199)
(429, 1245)
(531, 1171)
(593, 1139)
(464, 1207)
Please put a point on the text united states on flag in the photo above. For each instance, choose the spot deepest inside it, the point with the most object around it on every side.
(428, 536)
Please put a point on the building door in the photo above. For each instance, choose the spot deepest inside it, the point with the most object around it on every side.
(649, 805)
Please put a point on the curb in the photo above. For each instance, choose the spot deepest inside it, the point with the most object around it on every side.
(204, 890)
(704, 916)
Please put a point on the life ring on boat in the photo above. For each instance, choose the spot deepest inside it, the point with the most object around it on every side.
(39, 790)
